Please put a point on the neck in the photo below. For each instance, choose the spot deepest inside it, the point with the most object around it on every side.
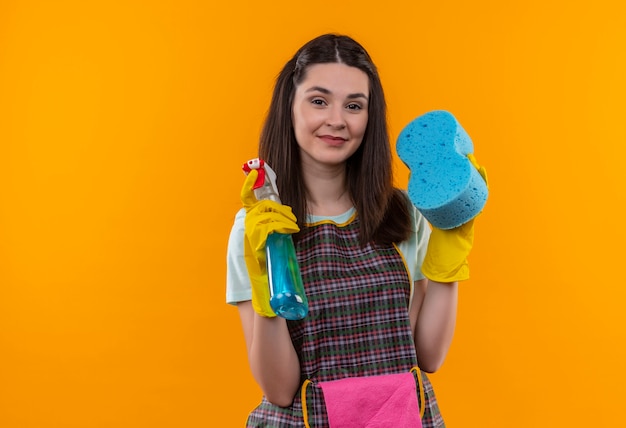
(327, 192)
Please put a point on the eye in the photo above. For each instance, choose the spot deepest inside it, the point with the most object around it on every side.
(318, 102)
(354, 106)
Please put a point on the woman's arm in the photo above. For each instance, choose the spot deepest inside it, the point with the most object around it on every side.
(271, 355)
(433, 319)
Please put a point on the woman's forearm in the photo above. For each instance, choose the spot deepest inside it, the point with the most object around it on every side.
(273, 360)
(436, 323)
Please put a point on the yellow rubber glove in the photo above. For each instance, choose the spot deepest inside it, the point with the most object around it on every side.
(262, 218)
(481, 169)
(446, 255)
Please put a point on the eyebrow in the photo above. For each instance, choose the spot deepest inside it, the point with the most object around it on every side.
(327, 92)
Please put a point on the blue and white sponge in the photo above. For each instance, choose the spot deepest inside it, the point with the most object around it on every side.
(443, 184)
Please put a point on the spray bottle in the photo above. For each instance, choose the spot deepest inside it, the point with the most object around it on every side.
(287, 297)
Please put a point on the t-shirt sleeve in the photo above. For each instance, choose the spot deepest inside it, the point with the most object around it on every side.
(237, 279)
(414, 248)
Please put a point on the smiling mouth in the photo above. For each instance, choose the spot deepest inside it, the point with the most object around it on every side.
(329, 139)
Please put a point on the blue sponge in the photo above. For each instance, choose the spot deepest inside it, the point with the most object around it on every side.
(443, 185)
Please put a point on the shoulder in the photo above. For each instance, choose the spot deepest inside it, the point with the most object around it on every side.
(417, 221)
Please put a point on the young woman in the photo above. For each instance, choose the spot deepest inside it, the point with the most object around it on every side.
(361, 247)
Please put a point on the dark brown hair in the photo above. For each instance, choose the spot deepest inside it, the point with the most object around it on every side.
(382, 210)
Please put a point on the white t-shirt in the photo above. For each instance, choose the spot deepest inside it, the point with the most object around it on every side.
(238, 283)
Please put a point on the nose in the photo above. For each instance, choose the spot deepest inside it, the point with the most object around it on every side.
(335, 117)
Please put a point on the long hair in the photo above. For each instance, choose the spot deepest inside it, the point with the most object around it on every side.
(382, 210)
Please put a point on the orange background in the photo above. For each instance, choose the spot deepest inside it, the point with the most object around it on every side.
(123, 125)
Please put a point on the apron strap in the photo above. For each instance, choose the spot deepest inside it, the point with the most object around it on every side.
(305, 413)
(420, 385)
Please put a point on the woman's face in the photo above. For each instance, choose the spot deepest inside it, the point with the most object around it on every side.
(330, 113)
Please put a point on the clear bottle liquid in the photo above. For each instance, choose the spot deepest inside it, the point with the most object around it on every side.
(287, 297)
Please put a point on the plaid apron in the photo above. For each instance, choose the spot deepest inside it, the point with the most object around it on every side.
(357, 325)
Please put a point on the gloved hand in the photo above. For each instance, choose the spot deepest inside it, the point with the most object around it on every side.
(481, 169)
(262, 218)
(446, 255)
